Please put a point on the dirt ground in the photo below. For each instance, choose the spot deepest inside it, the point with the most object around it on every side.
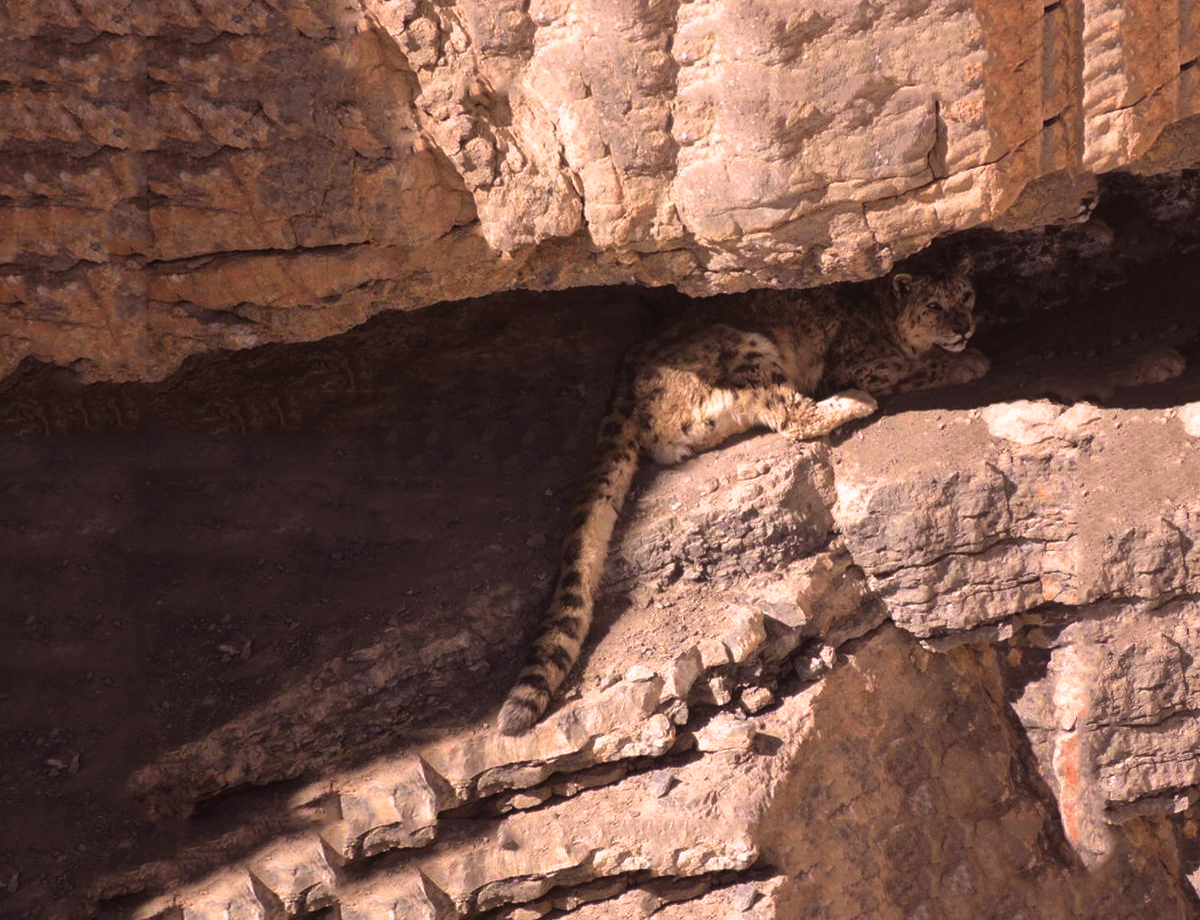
(178, 555)
(175, 554)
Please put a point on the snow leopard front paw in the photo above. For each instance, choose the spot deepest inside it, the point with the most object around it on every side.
(967, 366)
(851, 404)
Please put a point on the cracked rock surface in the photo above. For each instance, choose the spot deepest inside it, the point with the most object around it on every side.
(940, 666)
(182, 178)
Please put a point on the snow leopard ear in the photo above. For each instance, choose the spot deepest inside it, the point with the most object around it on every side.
(964, 264)
(901, 285)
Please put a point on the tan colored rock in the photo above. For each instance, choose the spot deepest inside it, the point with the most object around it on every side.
(1189, 415)
(726, 732)
(879, 826)
(393, 806)
(980, 647)
(919, 801)
(1112, 719)
(1042, 515)
(412, 153)
(298, 872)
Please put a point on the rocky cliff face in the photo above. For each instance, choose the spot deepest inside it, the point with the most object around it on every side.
(187, 177)
(939, 670)
(939, 667)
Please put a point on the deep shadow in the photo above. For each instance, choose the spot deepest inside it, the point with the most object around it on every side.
(182, 554)
(1087, 349)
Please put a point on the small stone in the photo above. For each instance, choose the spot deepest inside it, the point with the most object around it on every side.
(684, 741)
(756, 699)
(712, 692)
(747, 471)
(682, 673)
(639, 673)
(725, 732)
(713, 654)
(603, 775)
(506, 839)
(744, 896)
(813, 665)
(529, 798)
(677, 712)
(660, 782)
(527, 911)
(642, 903)
(748, 634)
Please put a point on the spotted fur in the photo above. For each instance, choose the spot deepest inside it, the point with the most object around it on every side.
(741, 365)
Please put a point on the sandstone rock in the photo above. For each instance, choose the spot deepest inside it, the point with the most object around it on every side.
(1111, 719)
(1189, 415)
(521, 800)
(405, 896)
(683, 673)
(726, 733)
(1046, 523)
(756, 699)
(395, 806)
(980, 646)
(921, 749)
(601, 775)
(228, 894)
(418, 154)
(298, 873)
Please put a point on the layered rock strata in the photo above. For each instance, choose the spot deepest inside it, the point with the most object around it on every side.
(189, 177)
(941, 668)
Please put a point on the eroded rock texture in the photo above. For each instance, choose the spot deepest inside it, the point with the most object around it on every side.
(941, 667)
(185, 177)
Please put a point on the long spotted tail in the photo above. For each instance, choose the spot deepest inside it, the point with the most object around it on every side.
(569, 617)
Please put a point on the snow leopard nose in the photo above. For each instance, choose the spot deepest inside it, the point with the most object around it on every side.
(963, 326)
